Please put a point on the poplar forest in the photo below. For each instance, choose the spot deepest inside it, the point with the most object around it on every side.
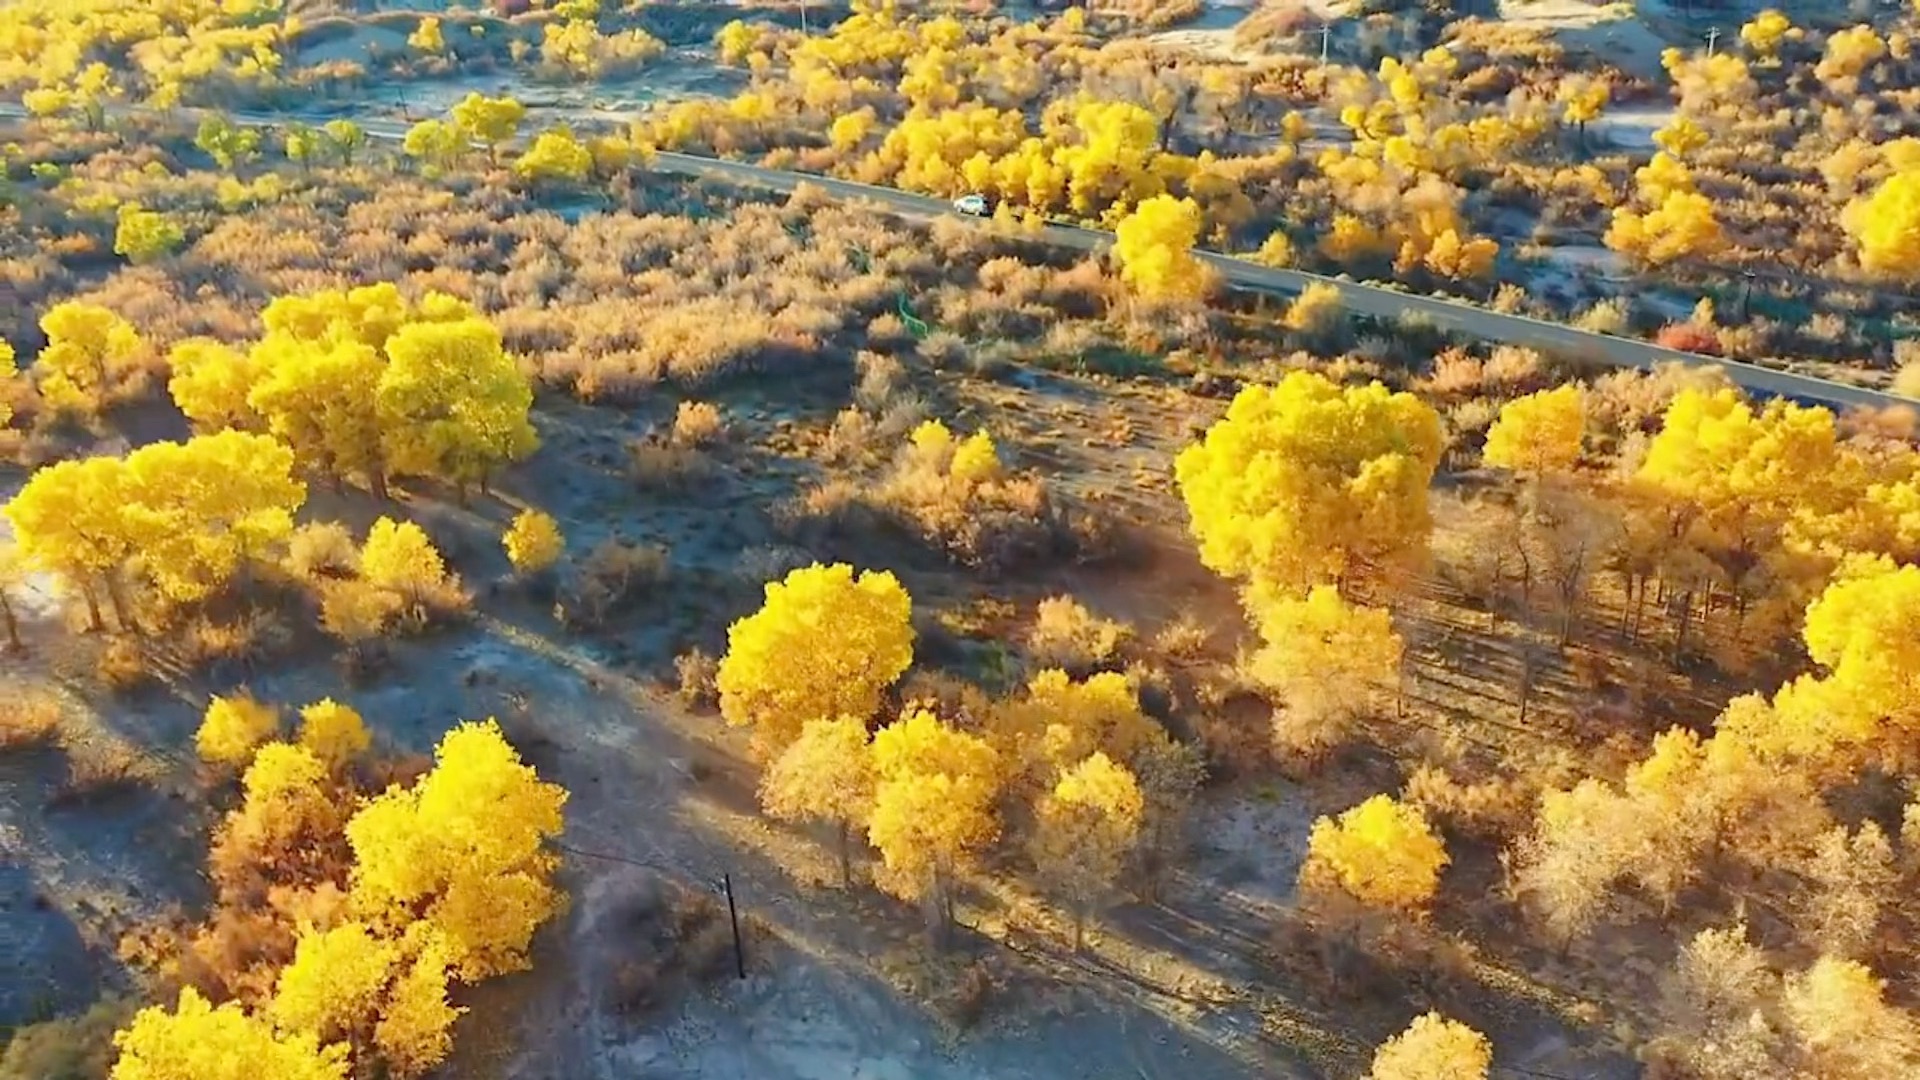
(1355, 539)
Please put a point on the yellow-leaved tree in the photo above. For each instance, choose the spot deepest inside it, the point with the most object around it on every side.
(1329, 661)
(932, 808)
(452, 403)
(1382, 853)
(1309, 482)
(89, 355)
(69, 520)
(1885, 226)
(335, 733)
(317, 395)
(333, 987)
(555, 155)
(1540, 434)
(202, 509)
(1154, 245)
(196, 1041)
(1433, 1048)
(463, 849)
(533, 542)
(825, 643)
(1682, 226)
(211, 382)
(234, 727)
(1085, 832)
(1860, 630)
(1057, 722)
(488, 121)
(825, 775)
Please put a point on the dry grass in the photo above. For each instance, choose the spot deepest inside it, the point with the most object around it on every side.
(123, 666)
(100, 766)
(698, 423)
(663, 466)
(697, 672)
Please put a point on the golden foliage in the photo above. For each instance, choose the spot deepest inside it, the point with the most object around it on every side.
(1433, 1048)
(781, 670)
(233, 728)
(533, 541)
(196, 1041)
(1540, 433)
(1382, 853)
(335, 733)
(1307, 482)
(932, 804)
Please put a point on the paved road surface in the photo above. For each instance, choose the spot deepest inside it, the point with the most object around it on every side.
(1554, 338)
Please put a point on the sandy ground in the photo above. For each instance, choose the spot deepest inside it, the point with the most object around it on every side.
(1612, 32)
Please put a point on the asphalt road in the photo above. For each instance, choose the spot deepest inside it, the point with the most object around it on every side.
(1553, 338)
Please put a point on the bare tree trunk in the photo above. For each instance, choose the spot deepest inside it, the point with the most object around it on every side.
(1079, 926)
(846, 858)
(122, 613)
(13, 624)
(94, 622)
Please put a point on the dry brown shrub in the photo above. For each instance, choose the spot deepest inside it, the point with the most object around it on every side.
(101, 766)
(1185, 639)
(1689, 337)
(1274, 23)
(1493, 809)
(942, 349)
(1066, 635)
(887, 332)
(123, 665)
(880, 378)
(698, 423)
(661, 466)
(851, 436)
(697, 672)
(244, 639)
(613, 575)
(70, 1048)
(28, 718)
(322, 549)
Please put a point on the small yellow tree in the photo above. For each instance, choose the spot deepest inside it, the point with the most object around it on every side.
(932, 808)
(1154, 245)
(1433, 1048)
(89, 353)
(533, 542)
(1539, 434)
(399, 558)
(555, 155)
(824, 644)
(1381, 853)
(489, 121)
(1329, 662)
(210, 384)
(143, 235)
(427, 37)
(233, 728)
(826, 775)
(1085, 832)
(334, 732)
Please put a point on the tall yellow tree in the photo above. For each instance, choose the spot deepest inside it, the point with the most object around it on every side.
(211, 382)
(452, 403)
(202, 510)
(1885, 226)
(318, 396)
(1308, 482)
(824, 644)
(69, 519)
(465, 848)
(826, 775)
(1328, 660)
(1382, 853)
(1058, 722)
(932, 808)
(1085, 830)
(1154, 245)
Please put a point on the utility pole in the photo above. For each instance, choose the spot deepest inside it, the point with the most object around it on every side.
(1326, 31)
(1713, 37)
(733, 915)
(803, 18)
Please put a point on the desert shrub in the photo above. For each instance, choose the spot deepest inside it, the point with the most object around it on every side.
(662, 466)
(888, 332)
(322, 549)
(70, 1048)
(696, 670)
(1273, 23)
(233, 728)
(28, 718)
(123, 665)
(957, 493)
(698, 423)
(850, 436)
(880, 378)
(654, 940)
(942, 349)
(99, 767)
(1066, 635)
(243, 639)
(1606, 317)
(1689, 337)
(613, 575)
(1186, 638)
